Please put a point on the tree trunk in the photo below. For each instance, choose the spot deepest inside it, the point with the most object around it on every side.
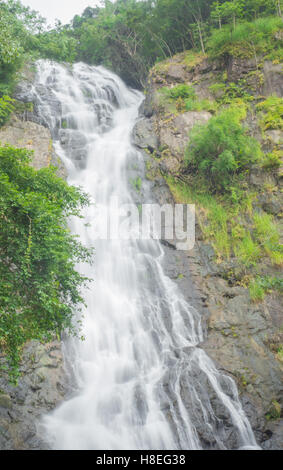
(200, 36)
(279, 8)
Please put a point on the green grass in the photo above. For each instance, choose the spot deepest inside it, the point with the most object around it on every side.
(261, 285)
(267, 235)
(234, 230)
(257, 292)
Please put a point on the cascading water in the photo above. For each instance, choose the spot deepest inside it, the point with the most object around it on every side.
(141, 381)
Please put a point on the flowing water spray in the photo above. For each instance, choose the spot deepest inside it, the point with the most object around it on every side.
(140, 379)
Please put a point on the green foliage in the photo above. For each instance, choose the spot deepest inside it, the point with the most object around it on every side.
(10, 49)
(57, 45)
(6, 108)
(267, 235)
(184, 98)
(248, 39)
(183, 91)
(221, 150)
(259, 286)
(272, 113)
(137, 184)
(235, 91)
(257, 292)
(274, 411)
(40, 286)
(248, 251)
(201, 105)
(272, 160)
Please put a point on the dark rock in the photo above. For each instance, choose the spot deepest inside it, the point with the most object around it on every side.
(144, 135)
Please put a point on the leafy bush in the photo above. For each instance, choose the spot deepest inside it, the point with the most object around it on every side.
(39, 286)
(55, 45)
(272, 109)
(6, 108)
(272, 160)
(221, 149)
(180, 91)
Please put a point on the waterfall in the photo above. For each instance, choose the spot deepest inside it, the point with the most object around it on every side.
(140, 378)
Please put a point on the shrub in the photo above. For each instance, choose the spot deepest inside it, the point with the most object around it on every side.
(39, 286)
(221, 149)
(6, 108)
(272, 160)
(180, 91)
(272, 116)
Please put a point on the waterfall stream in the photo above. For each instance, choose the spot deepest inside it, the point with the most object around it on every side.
(140, 379)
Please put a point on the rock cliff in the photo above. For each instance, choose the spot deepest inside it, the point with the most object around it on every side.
(244, 337)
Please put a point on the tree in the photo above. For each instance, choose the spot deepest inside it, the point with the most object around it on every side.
(220, 150)
(39, 287)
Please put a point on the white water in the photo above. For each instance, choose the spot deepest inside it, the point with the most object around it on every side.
(141, 381)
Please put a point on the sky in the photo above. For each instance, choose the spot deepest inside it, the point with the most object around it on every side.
(64, 10)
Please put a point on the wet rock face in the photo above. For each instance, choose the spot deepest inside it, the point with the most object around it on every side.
(45, 97)
(144, 135)
(41, 387)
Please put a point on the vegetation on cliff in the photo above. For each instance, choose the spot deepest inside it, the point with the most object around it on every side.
(217, 164)
(40, 285)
